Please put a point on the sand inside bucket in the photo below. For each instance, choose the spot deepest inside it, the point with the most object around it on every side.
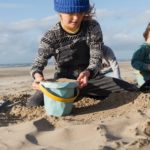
(60, 80)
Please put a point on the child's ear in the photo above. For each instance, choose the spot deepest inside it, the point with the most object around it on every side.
(60, 15)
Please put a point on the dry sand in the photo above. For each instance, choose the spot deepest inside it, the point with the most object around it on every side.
(122, 121)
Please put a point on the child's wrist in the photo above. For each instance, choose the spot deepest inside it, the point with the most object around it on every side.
(87, 72)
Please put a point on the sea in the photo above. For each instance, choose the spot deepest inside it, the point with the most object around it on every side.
(18, 65)
(14, 65)
(29, 64)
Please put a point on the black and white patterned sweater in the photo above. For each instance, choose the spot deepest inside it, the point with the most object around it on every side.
(80, 50)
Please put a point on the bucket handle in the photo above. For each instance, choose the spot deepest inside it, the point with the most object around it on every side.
(57, 98)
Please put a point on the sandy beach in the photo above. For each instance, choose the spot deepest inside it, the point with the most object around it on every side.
(120, 122)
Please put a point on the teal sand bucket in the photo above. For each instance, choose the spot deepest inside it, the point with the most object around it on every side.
(59, 96)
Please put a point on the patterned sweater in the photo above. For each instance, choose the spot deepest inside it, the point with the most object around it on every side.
(80, 50)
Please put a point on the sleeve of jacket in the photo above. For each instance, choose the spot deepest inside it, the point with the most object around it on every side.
(45, 51)
(113, 63)
(137, 60)
(95, 43)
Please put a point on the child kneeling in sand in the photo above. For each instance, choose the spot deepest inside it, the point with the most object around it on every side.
(76, 44)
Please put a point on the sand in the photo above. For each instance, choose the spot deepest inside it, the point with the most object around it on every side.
(121, 121)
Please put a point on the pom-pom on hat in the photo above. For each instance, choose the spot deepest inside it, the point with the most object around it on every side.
(71, 6)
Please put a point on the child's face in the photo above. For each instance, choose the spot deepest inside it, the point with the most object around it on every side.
(71, 21)
(149, 34)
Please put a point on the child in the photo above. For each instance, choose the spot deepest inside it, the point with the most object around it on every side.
(75, 42)
(141, 58)
(109, 66)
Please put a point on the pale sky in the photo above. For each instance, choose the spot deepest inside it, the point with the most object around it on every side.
(23, 22)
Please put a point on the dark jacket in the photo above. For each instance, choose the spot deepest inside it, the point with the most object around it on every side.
(141, 59)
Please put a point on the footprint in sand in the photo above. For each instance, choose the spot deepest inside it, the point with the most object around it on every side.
(139, 143)
(105, 132)
(41, 126)
(146, 128)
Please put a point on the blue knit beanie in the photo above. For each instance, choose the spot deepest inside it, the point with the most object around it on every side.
(71, 6)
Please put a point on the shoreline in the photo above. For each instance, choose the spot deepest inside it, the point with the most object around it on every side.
(25, 70)
(17, 65)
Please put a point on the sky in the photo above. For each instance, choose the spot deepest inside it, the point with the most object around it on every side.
(23, 23)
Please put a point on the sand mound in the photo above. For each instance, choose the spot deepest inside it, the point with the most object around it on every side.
(119, 122)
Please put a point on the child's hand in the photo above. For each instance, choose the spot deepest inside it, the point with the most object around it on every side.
(38, 77)
(83, 78)
(148, 67)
